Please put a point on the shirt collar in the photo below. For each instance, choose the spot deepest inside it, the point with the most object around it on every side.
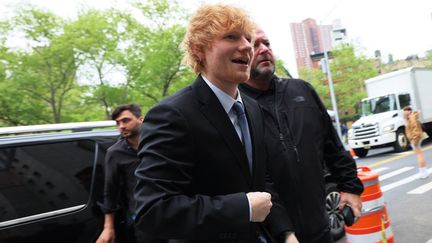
(226, 100)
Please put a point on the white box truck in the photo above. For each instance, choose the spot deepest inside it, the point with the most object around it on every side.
(381, 123)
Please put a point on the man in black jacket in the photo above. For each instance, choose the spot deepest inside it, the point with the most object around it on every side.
(301, 142)
(120, 163)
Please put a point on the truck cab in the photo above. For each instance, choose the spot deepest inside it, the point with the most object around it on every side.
(381, 124)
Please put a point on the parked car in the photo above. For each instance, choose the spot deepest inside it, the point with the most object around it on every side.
(51, 181)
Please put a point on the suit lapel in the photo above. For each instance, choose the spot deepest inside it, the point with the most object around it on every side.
(216, 115)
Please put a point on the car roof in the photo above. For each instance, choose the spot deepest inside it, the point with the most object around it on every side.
(63, 131)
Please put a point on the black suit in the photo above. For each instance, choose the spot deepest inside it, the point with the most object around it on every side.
(194, 170)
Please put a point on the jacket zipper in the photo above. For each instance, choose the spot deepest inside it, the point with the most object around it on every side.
(281, 136)
(290, 145)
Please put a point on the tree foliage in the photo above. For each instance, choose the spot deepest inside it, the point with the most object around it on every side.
(281, 71)
(348, 74)
(162, 72)
(44, 73)
(98, 37)
(316, 78)
(78, 70)
(429, 59)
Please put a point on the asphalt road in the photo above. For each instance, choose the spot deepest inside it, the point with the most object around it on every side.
(408, 198)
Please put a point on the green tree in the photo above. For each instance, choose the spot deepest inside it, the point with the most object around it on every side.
(97, 37)
(156, 68)
(316, 78)
(348, 74)
(9, 104)
(45, 73)
(428, 59)
(3, 51)
(69, 70)
(349, 71)
(281, 71)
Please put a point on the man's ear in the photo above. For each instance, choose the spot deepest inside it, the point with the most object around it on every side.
(199, 53)
(141, 119)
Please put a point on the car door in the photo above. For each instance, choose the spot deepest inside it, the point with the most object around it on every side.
(49, 190)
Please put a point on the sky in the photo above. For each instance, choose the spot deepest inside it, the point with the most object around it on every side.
(400, 28)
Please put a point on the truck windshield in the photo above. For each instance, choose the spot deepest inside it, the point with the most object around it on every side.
(379, 105)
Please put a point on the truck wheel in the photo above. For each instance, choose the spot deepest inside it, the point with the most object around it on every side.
(361, 152)
(336, 219)
(401, 144)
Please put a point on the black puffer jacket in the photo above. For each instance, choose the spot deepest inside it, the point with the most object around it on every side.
(300, 140)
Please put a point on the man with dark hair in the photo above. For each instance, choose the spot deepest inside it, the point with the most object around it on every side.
(301, 141)
(120, 163)
(132, 108)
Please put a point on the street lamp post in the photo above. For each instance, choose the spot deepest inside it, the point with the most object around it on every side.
(329, 77)
(332, 94)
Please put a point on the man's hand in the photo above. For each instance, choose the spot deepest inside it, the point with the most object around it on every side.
(107, 236)
(108, 233)
(260, 205)
(353, 200)
(291, 238)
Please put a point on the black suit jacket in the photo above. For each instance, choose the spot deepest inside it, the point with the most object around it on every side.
(194, 174)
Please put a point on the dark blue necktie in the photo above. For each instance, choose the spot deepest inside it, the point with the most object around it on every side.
(246, 139)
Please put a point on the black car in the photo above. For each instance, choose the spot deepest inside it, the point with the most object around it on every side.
(51, 180)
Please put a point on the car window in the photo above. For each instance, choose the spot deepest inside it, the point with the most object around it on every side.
(37, 179)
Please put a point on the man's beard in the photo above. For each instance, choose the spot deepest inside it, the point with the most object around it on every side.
(132, 133)
(258, 74)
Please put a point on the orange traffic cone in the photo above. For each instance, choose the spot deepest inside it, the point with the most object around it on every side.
(353, 154)
(374, 224)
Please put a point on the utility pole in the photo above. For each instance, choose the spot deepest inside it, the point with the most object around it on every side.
(332, 94)
(329, 77)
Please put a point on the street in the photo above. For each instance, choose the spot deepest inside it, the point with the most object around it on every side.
(408, 199)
